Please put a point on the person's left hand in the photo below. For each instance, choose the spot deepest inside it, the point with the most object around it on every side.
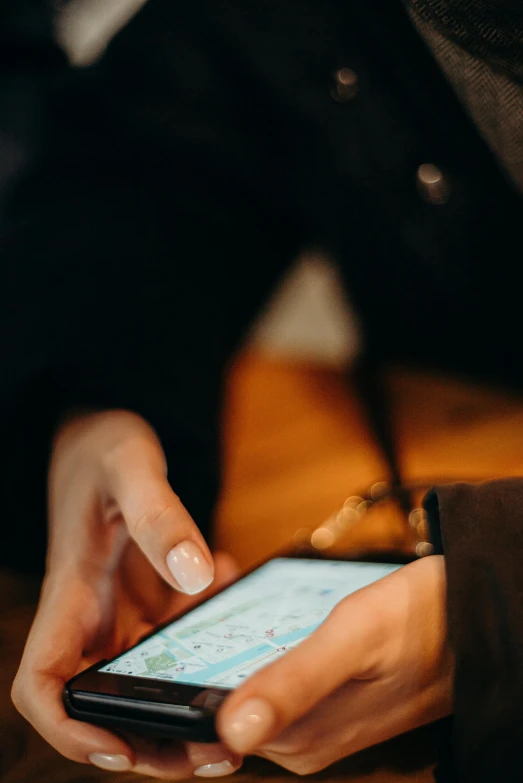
(378, 666)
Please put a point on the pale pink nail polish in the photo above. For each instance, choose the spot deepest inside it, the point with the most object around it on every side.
(115, 762)
(249, 726)
(189, 567)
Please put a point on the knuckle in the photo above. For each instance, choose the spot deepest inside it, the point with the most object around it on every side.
(18, 696)
(149, 520)
(367, 608)
(304, 765)
(113, 455)
(339, 617)
(342, 607)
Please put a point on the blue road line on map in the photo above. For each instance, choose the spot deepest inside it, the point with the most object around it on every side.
(247, 655)
(301, 633)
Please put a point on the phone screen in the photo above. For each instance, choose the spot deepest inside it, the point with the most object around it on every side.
(229, 637)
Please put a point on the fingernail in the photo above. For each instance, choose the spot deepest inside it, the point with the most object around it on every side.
(246, 728)
(113, 761)
(189, 567)
(218, 770)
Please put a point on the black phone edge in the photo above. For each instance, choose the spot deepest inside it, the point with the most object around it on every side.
(203, 730)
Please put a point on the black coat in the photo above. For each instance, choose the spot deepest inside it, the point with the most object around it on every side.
(170, 186)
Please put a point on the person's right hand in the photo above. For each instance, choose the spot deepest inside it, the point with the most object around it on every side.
(120, 540)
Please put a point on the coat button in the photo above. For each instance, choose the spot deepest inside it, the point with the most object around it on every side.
(345, 85)
(432, 184)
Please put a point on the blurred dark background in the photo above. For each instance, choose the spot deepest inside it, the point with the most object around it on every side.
(297, 441)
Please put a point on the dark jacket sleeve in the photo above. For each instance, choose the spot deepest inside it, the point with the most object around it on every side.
(135, 248)
(482, 540)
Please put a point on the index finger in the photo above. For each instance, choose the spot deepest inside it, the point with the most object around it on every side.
(156, 518)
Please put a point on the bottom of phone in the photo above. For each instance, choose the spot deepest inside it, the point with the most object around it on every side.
(191, 724)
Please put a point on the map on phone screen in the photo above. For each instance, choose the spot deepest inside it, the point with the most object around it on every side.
(229, 637)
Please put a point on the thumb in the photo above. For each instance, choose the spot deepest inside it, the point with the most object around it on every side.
(346, 646)
(156, 518)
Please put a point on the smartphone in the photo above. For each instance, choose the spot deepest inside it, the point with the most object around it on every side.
(172, 683)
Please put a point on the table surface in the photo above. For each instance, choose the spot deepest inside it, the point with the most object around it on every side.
(293, 463)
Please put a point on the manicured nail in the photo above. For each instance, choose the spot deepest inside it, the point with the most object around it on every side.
(218, 770)
(113, 761)
(248, 727)
(189, 567)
